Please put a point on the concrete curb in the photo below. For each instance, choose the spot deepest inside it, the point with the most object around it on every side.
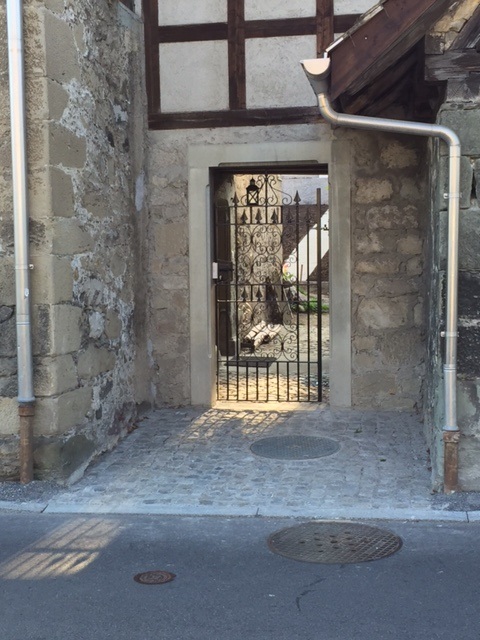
(358, 513)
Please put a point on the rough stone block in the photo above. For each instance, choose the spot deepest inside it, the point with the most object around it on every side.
(371, 243)
(8, 387)
(171, 239)
(53, 376)
(61, 193)
(7, 282)
(412, 189)
(65, 335)
(9, 452)
(57, 100)
(381, 265)
(370, 190)
(8, 337)
(392, 217)
(468, 242)
(52, 279)
(113, 325)
(384, 313)
(61, 458)
(58, 6)
(396, 155)
(8, 366)
(66, 148)
(393, 287)
(61, 53)
(9, 424)
(373, 389)
(94, 361)
(364, 343)
(410, 245)
(69, 238)
(469, 469)
(414, 266)
(468, 354)
(468, 294)
(402, 348)
(466, 124)
(60, 414)
(97, 204)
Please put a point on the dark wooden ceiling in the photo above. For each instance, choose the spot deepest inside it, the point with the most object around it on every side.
(380, 63)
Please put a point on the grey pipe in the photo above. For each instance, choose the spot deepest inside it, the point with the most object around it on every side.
(26, 396)
(317, 71)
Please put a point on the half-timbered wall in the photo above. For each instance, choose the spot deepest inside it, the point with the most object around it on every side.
(235, 62)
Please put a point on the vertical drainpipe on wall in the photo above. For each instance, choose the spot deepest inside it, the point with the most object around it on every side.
(318, 71)
(26, 398)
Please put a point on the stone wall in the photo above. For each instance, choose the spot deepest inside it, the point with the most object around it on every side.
(460, 112)
(168, 244)
(84, 68)
(388, 227)
(464, 119)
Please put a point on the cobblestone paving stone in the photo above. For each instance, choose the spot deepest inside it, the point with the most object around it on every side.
(194, 461)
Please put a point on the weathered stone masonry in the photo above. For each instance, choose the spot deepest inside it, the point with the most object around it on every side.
(85, 120)
(388, 218)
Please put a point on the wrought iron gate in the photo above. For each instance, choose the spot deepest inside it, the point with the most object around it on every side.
(268, 293)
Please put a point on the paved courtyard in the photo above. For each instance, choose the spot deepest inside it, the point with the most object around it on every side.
(198, 462)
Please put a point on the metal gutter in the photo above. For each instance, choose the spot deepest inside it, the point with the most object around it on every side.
(318, 71)
(26, 398)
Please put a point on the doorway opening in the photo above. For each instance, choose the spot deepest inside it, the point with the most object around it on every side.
(271, 275)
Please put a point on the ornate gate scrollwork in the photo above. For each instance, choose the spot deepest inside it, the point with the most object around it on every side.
(267, 247)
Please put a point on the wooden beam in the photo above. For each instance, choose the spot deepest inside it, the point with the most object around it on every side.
(452, 65)
(324, 25)
(152, 55)
(255, 29)
(193, 32)
(234, 118)
(280, 28)
(236, 55)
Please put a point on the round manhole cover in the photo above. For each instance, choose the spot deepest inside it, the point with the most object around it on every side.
(294, 447)
(154, 577)
(334, 542)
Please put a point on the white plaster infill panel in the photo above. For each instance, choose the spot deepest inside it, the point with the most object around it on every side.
(174, 12)
(201, 159)
(342, 7)
(276, 9)
(194, 76)
(274, 75)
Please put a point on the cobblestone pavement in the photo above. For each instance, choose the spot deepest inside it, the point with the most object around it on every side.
(198, 462)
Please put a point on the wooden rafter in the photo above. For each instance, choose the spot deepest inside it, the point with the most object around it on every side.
(375, 45)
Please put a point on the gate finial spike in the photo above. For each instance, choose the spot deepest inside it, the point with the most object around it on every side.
(297, 198)
(235, 199)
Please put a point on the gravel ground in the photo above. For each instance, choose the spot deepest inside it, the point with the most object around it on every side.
(36, 491)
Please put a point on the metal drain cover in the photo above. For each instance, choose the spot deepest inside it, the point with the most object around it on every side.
(294, 447)
(334, 542)
(154, 577)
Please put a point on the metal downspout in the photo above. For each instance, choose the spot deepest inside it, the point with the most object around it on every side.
(317, 71)
(26, 399)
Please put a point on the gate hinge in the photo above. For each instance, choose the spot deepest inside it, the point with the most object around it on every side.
(214, 270)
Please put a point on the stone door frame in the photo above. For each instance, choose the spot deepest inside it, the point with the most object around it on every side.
(201, 160)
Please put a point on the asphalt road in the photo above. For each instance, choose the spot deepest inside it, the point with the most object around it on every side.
(71, 578)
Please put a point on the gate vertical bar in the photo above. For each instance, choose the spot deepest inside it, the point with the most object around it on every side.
(308, 356)
(299, 275)
(319, 294)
